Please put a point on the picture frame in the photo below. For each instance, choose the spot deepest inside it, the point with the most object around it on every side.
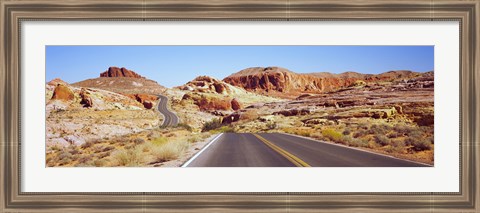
(13, 13)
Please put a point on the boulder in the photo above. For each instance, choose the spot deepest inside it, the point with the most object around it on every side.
(145, 99)
(86, 99)
(56, 82)
(235, 104)
(63, 92)
(147, 104)
(231, 118)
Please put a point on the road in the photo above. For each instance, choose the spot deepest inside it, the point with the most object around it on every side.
(283, 150)
(170, 118)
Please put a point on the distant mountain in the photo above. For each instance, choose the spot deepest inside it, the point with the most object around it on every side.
(274, 80)
(120, 72)
(122, 80)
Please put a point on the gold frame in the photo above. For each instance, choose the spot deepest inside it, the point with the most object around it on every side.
(13, 12)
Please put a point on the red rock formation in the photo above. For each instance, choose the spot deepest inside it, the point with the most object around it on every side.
(235, 104)
(147, 104)
(145, 99)
(62, 92)
(208, 103)
(206, 84)
(231, 118)
(56, 82)
(86, 99)
(282, 80)
(120, 72)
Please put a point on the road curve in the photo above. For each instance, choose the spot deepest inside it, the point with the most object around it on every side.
(283, 150)
(170, 118)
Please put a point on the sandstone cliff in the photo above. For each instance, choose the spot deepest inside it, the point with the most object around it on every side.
(275, 80)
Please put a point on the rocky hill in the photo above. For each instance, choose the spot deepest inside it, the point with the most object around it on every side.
(122, 80)
(120, 72)
(207, 84)
(282, 82)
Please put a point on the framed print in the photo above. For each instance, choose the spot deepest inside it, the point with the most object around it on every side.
(239, 106)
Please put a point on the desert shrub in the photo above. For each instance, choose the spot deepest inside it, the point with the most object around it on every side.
(122, 140)
(223, 129)
(85, 159)
(159, 141)
(100, 162)
(64, 160)
(108, 148)
(346, 132)
(169, 151)
(87, 144)
(74, 151)
(130, 157)
(193, 139)
(382, 140)
(415, 134)
(332, 135)
(213, 124)
(302, 132)
(359, 133)
(346, 139)
(138, 140)
(402, 129)
(358, 142)
(378, 129)
(419, 144)
(185, 126)
(250, 115)
(271, 125)
(394, 135)
(363, 126)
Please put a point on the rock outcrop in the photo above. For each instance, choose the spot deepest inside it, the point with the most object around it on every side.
(277, 79)
(145, 99)
(293, 112)
(63, 92)
(147, 104)
(120, 72)
(234, 117)
(236, 104)
(207, 84)
(86, 99)
(208, 103)
(56, 82)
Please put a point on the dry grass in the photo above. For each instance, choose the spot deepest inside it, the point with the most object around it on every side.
(131, 157)
(169, 151)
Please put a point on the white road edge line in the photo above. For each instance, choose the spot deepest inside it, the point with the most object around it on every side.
(200, 152)
(355, 148)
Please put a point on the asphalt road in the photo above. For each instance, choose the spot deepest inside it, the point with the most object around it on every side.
(283, 150)
(170, 118)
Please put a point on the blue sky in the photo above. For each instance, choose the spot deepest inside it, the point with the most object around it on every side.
(175, 65)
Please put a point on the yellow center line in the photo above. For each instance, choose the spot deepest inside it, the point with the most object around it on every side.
(292, 158)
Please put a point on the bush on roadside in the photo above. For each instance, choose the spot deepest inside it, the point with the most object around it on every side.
(418, 144)
(169, 151)
(185, 126)
(382, 140)
(346, 132)
(130, 157)
(159, 141)
(271, 125)
(211, 125)
(332, 135)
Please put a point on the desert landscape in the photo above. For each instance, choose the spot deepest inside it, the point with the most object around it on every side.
(258, 116)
